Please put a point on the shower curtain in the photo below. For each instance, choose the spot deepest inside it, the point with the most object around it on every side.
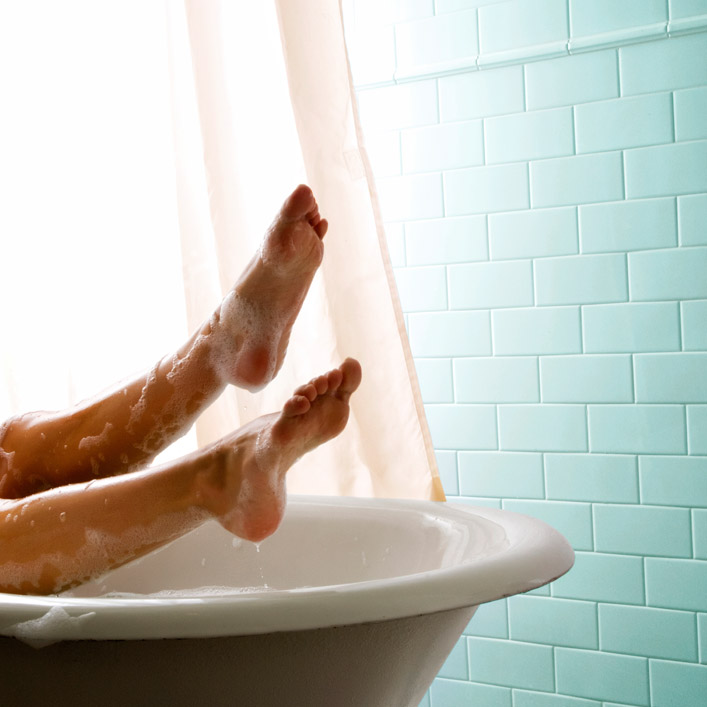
(257, 98)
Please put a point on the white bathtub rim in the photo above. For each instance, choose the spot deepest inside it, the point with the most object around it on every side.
(536, 554)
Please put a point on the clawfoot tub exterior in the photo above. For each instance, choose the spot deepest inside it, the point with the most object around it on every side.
(351, 602)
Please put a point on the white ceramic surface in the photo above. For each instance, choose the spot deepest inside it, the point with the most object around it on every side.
(333, 562)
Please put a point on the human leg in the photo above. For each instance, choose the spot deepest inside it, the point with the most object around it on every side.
(64, 536)
(243, 343)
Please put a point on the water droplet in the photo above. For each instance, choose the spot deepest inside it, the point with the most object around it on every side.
(203, 562)
(31, 524)
(62, 517)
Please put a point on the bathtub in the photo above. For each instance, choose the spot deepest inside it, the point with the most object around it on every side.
(351, 602)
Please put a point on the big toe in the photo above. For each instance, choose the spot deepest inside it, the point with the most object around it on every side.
(300, 203)
(351, 377)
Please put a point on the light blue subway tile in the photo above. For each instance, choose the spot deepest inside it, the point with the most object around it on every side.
(481, 94)
(533, 234)
(435, 377)
(456, 665)
(666, 170)
(617, 328)
(477, 501)
(671, 377)
(456, 5)
(686, 8)
(599, 16)
(570, 80)
(436, 39)
(586, 379)
(544, 330)
(699, 541)
(676, 584)
(676, 273)
(628, 225)
(557, 622)
(643, 530)
(692, 219)
(525, 22)
(384, 152)
(457, 693)
(462, 426)
(577, 180)
(529, 136)
(678, 684)
(448, 240)
(573, 520)
(655, 633)
(370, 12)
(525, 698)
(447, 467)
(501, 474)
(496, 380)
(591, 477)
(702, 630)
(491, 285)
(372, 53)
(422, 289)
(397, 107)
(543, 428)
(511, 664)
(625, 122)
(395, 239)
(602, 577)
(673, 481)
(637, 429)
(690, 111)
(446, 146)
(450, 334)
(697, 429)
(480, 190)
(411, 197)
(581, 279)
(490, 620)
(602, 676)
(680, 62)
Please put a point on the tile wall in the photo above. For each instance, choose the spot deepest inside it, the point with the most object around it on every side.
(542, 168)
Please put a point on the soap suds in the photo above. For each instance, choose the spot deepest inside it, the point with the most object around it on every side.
(56, 625)
(98, 440)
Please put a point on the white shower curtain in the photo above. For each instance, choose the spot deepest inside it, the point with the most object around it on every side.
(237, 102)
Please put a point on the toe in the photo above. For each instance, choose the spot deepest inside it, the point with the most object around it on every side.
(335, 378)
(307, 391)
(296, 405)
(351, 377)
(321, 228)
(321, 384)
(299, 203)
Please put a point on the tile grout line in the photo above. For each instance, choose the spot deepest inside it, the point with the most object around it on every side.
(633, 377)
(618, 72)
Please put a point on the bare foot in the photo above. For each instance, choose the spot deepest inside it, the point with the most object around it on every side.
(252, 326)
(247, 492)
